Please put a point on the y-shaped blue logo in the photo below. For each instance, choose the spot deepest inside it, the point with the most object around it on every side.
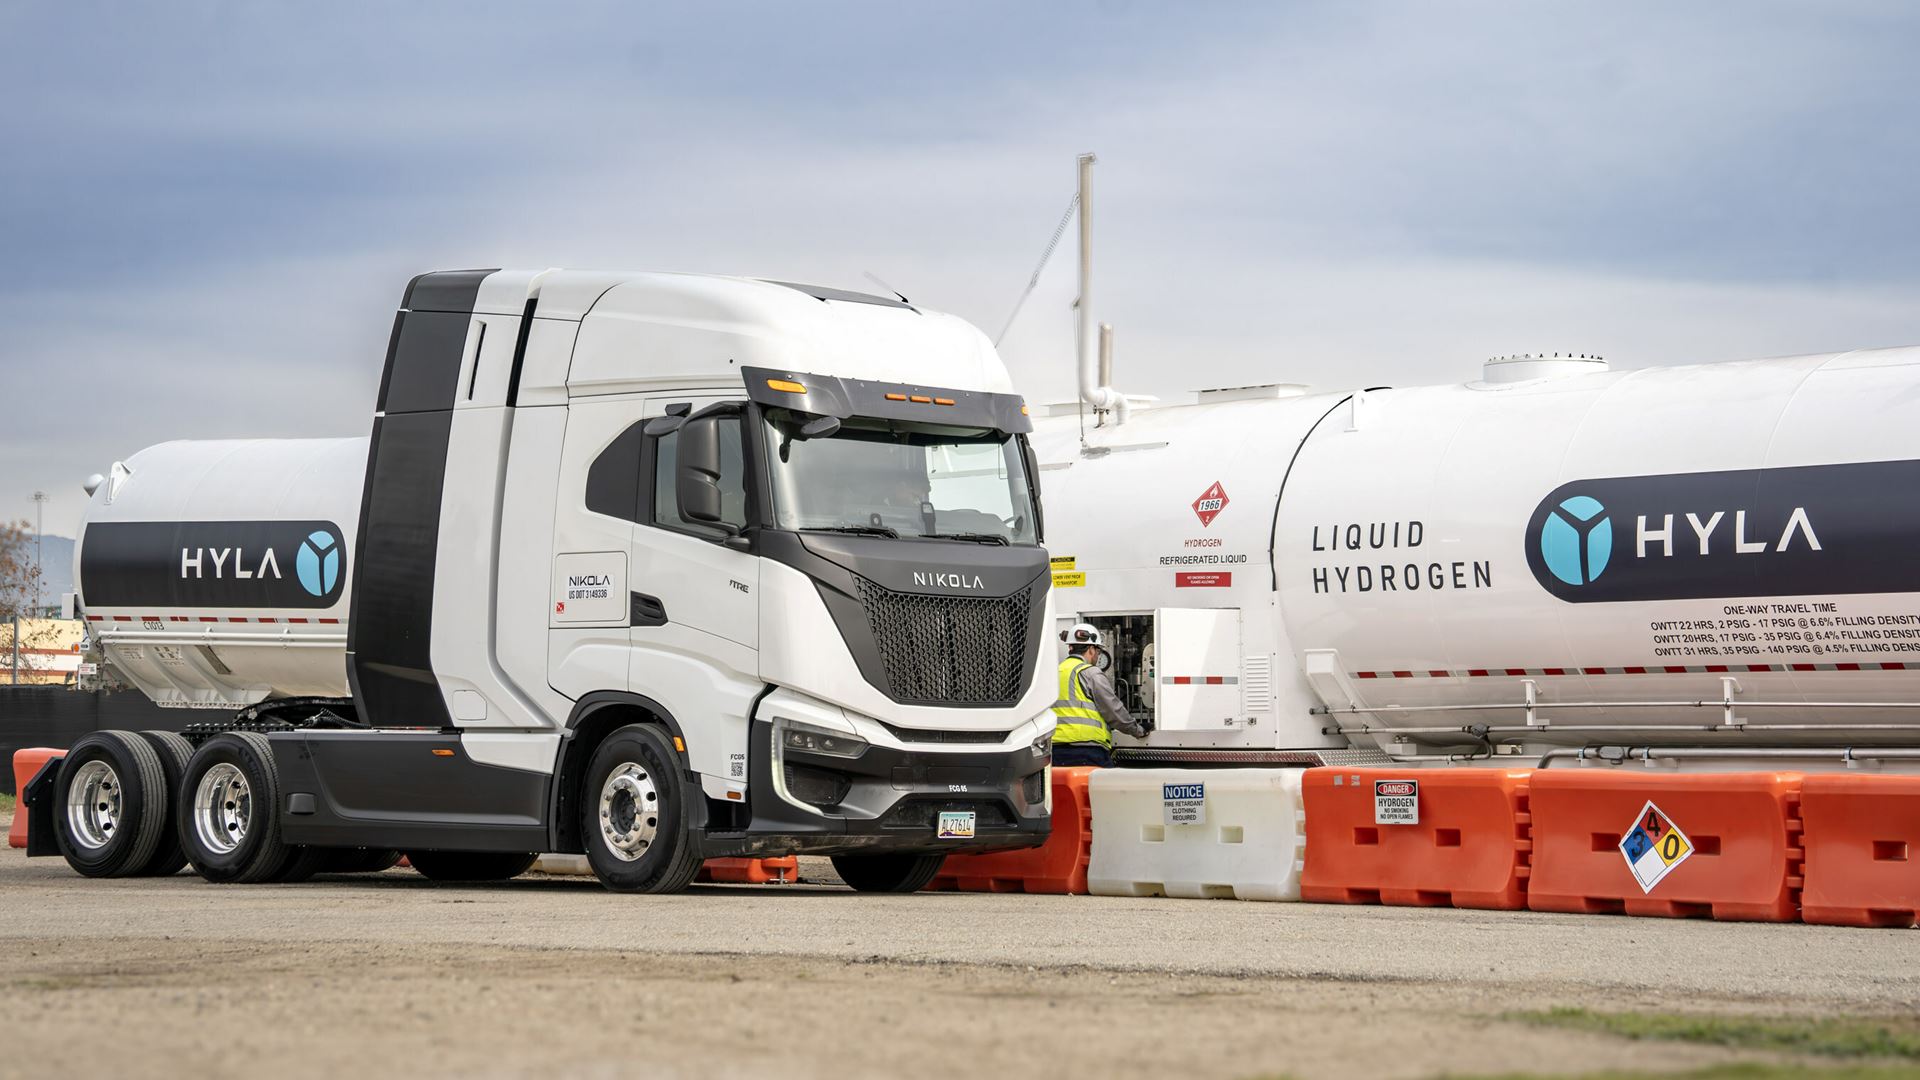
(1577, 540)
(318, 563)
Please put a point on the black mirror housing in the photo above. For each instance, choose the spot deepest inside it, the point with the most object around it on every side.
(697, 472)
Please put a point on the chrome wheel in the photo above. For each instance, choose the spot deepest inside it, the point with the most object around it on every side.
(93, 805)
(222, 808)
(629, 811)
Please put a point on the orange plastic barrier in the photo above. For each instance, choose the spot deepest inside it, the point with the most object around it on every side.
(783, 871)
(1863, 850)
(1057, 866)
(26, 763)
(1469, 848)
(1677, 845)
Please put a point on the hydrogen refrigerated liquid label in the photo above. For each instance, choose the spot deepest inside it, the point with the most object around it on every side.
(1654, 847)
(1184, 804)
(1396, 802)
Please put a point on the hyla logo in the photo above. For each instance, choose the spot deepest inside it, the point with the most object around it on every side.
(1210, 503)
(317, 564)
(1577, 540)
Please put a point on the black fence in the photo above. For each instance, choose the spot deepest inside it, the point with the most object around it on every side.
(56, 716)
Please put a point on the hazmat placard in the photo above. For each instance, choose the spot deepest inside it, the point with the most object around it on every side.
(1396, 802)
(1061, 562)
(1654, 847)
(1069, 580)
(1184, 804)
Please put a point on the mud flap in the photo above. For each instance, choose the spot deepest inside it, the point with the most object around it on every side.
(36, 801)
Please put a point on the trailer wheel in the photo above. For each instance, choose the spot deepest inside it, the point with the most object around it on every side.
(471, 865)
(110, 801)
(227, 822)
(887, 873)
(636, 812)
(174, 752)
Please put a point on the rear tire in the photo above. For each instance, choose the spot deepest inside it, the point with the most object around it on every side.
(110, 804)
(228, 819)
(887, 873)
(471, 865)
(636, 814)
(174, 752)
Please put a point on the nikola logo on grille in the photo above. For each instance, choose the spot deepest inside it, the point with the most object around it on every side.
(1801, 531)
(1210, 503)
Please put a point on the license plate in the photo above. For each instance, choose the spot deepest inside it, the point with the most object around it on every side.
(954, 825)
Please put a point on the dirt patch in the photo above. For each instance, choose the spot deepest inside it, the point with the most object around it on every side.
(234, 1008)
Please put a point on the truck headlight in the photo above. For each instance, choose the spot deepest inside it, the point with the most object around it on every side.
(1043, 743)
(810, 739)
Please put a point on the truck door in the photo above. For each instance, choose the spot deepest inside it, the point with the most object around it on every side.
(685, 574)
(1197, 668)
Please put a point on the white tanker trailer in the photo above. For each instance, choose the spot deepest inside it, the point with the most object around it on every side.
(1709, 564)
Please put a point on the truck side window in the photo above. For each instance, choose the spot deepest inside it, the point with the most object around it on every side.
(613, 480)
(733, 483)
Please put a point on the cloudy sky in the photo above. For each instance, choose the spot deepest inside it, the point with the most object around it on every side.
(208, 210)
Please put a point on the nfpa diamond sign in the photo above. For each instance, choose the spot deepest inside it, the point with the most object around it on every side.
(1210, 503)
(1654, 847)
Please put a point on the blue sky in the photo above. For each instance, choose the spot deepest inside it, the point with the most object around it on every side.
(208, 211)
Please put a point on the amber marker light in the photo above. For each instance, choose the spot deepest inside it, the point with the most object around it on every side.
(896, 397)
(442, 753)
(786, 386)
(921, 399)
(943, 401)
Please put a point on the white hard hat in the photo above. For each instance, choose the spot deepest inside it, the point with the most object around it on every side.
(1082, 634)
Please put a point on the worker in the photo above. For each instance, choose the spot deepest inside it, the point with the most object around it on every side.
(1088, 711)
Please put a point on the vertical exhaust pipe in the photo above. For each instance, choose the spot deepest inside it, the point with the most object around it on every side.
(1096, 388)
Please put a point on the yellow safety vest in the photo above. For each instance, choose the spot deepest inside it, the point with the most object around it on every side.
(1079, 721)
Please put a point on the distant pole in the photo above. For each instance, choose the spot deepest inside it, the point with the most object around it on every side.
(39, 530)
(16, 650)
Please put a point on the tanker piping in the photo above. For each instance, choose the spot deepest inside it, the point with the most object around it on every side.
(1618, 755)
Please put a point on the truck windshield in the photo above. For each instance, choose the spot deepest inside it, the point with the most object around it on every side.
(894, 479)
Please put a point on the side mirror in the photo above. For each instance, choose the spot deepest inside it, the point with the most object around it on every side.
(663, 425)
(697, 472)
(820, 427)
(1032, 461)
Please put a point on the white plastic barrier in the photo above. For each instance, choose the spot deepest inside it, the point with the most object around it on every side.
(562, 864)
(1197, 833)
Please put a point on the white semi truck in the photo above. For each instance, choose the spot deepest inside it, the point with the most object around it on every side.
(1703, 567)
(652, 567)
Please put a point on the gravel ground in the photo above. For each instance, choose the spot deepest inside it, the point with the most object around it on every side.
(548, 973)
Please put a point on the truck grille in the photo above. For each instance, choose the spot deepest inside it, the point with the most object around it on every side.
(950, 650)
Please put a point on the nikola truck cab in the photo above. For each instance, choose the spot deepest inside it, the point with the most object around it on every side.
(654, 567)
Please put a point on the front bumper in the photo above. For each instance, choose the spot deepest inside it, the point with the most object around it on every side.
(888, 799)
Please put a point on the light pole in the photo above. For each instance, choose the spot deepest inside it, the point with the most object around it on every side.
(39, 531)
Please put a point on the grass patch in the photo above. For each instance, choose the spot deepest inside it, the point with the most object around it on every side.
(6, 803)
(1745, 1071)
(1839, 1037)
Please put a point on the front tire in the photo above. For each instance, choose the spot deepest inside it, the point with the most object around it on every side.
(637, 812)
(110, 802)
(228, 821)
(887, 873)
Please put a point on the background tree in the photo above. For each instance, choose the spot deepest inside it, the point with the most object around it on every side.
(20, 581)
(19, 591)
